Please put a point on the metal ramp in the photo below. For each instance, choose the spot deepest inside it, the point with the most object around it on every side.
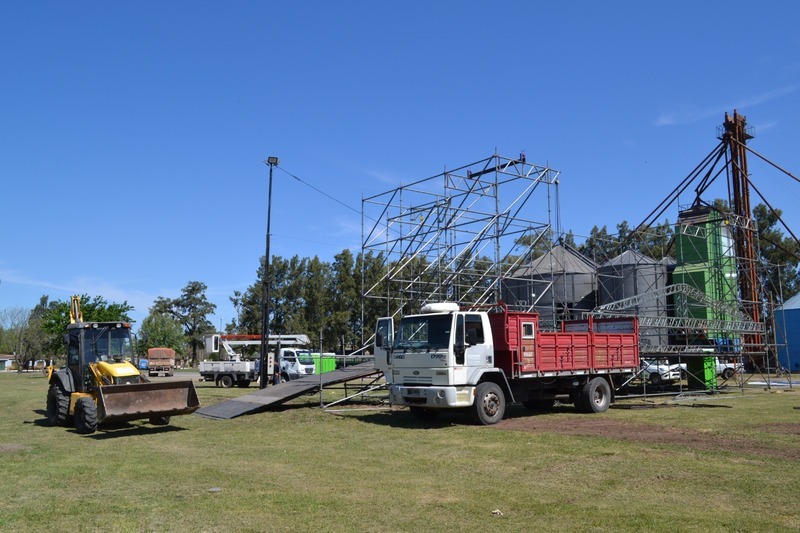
(275, 395)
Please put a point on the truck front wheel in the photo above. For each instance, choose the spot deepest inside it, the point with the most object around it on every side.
(490, 404)
(595, 396)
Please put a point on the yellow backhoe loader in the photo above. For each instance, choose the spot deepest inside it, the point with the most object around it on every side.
(100, 385)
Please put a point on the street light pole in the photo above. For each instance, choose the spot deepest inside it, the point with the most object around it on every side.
(265, 285)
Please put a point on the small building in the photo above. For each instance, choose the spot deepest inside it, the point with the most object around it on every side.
(7, 362)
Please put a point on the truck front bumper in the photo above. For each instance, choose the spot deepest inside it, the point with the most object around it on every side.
(432, 397)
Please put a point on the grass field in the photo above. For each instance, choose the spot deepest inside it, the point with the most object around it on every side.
(728, 463)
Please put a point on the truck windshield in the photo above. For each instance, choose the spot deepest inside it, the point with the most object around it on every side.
(304, 358)
(106, 343)
(424, 332)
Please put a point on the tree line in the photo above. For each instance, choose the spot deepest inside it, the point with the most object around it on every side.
(324, 299)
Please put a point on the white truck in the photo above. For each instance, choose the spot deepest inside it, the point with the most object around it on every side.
(235, 369)
(295, 363)
(480, 361)
(229, 373)
(660, 371)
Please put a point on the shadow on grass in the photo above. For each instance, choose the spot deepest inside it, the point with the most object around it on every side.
(110, 431)
(402, 418)
(130, 430)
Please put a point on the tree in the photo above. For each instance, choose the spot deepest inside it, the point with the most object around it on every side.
(780, 253)
(55, 316)
(37, 341)
(191, 309)
(163, 306)
(14, 323)
(599, 245)
(342, 294)
(373, 280)
(161, 330)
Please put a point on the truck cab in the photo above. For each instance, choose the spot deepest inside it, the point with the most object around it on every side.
(439, 356)
(295, 363)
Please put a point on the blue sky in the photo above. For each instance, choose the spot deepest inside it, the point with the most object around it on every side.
(133, 134)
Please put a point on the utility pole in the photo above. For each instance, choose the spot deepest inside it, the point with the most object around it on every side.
(272, 161)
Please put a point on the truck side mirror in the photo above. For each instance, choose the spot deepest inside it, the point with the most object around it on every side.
(379, 340)
(472, 337)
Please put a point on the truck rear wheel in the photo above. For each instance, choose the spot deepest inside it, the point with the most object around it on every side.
(595, 396)
(727, 373)
(243, 383)
(490, 404)
(57, 406)
(85, 415)
(225, 381)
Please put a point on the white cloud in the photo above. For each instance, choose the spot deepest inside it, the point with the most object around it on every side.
(687, 114)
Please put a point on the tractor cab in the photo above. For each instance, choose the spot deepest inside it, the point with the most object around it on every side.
(107, 346)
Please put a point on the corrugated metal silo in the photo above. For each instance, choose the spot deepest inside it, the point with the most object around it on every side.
(633, 274)
(560, 285)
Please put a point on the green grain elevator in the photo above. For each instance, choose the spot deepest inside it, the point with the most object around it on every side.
(706, 260)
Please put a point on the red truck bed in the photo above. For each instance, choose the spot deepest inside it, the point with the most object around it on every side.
(582, 346)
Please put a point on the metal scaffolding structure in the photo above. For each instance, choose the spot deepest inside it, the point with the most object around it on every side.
(697, 286)
(459, 235)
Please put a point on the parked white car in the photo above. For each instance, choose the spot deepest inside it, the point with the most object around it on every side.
(661, 371)
(726, 369)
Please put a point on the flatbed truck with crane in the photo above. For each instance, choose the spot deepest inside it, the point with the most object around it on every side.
(233, 368)
(482, 359)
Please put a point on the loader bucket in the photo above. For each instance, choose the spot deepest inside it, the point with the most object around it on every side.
(146, 400)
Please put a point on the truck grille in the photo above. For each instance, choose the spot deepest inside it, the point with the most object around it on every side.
(417, 380)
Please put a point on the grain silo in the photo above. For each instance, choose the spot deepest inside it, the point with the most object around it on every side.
(632, 274)
(559, 285)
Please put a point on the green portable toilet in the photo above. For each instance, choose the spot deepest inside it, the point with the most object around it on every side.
(702, 372)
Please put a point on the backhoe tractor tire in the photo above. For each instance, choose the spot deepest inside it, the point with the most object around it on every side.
(243, 383)
(727, 373)
(596, 396)
(421, 413)
(85, 415)
(57, 406)
(226, 381)
(160, 420)
(490, 404)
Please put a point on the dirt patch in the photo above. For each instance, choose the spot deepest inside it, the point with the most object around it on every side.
(783, 429)
(9, 448)
(605, 427)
